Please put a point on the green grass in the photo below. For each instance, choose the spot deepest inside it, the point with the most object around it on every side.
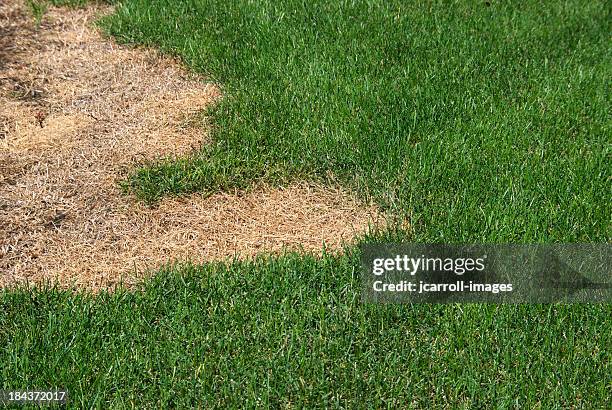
(480, 123)
(292, 331)
(38, 10)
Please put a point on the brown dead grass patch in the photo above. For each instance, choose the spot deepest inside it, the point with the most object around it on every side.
(77, 110)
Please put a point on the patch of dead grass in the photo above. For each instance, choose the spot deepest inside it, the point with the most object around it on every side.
(76, 110)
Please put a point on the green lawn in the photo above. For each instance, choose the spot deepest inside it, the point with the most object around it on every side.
(479, 123)
(293, 332)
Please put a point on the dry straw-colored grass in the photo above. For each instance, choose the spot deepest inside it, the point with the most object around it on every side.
(77, 112)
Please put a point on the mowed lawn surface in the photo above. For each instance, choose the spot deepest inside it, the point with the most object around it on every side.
(477, 123)
(481, 123)
(292, 332)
